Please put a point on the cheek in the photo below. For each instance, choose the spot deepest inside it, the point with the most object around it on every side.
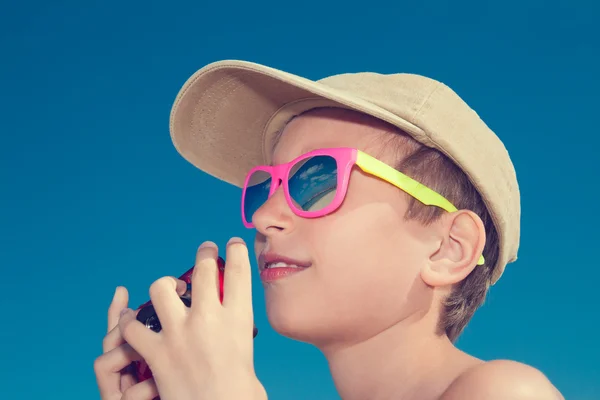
(364, 256)
(365, 273)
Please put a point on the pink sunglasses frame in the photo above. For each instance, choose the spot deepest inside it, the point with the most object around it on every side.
(345, 159)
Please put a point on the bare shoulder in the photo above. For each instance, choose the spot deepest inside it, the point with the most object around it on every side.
(502, 379)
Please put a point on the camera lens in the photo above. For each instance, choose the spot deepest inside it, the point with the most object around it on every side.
(153, 323)
(148, 317)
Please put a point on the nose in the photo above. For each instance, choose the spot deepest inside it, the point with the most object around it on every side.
(274, 216)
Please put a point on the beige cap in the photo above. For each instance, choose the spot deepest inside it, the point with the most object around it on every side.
(226, 115)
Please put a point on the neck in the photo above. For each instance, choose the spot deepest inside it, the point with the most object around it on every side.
(401, 362)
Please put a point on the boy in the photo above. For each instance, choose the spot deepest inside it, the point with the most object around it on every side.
(384, 209)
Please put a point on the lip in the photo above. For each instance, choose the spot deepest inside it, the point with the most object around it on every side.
(272, 257)
(271, 275)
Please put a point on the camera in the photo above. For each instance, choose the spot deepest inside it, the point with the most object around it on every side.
(147, 315)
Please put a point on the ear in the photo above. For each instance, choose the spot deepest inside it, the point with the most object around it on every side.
(462, 240)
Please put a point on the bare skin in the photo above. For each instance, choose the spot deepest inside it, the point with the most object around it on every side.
(370, 299)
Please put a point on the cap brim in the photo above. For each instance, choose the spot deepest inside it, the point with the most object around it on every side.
(225, 116)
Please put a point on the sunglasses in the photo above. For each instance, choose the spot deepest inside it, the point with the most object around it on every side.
(316, 183)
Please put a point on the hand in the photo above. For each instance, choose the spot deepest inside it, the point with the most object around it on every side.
(204, 351)
(113, 368)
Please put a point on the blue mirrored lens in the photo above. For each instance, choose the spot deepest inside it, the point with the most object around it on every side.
(313, 182)
(257, 193)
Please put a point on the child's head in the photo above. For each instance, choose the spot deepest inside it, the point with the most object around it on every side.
(371, 260)
(382, 258)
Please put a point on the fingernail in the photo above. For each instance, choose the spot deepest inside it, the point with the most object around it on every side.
(124, 311)
(234, 240)
(181, 286)
(208, 244)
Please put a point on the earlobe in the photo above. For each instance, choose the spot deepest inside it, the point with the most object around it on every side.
(463, 239)
(435, 275)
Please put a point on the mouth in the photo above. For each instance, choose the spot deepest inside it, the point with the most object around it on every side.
(273, 261)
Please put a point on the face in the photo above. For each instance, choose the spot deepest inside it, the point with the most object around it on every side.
(362, 261)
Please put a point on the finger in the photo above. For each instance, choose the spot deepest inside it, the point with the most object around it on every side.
(108, 366)
(140, 338)
(145, 390)
(205, 280)
(112, 339)
(128, 377)
(167, 304)
(181, 286)
(119, 302)
(237, 285)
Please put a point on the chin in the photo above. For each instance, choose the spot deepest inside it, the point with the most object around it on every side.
(296, 320)
(285, 317)
(310, 323)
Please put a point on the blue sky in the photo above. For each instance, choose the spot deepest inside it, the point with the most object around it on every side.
(94, 195)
